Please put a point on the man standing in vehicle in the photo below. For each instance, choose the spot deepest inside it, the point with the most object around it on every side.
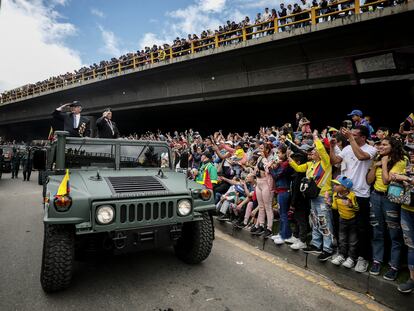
(106, 127)
(73, 122)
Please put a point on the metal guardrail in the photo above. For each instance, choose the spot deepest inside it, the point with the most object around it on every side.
(307, 17)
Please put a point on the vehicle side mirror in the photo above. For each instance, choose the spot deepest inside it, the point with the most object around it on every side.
(39, 160)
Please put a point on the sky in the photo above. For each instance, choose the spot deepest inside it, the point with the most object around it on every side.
(44, 38)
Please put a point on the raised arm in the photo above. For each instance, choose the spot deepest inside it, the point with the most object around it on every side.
(335, 159)
(359, 153)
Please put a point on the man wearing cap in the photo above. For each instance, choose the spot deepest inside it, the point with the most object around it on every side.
(207, 174)
(73, 122)
(358, 119)
(106, 127)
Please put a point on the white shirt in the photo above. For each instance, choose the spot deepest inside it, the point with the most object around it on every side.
(110, 125)
(266, 16)
(76, 118)
(357, 170)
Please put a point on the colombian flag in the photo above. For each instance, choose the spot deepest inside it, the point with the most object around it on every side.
(64, 187)
(50, 137)
(410, 119)
(207, 180)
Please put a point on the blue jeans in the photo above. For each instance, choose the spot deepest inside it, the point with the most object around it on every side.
(283, 200)
(322, 229)
(407, 225)
(385, 218)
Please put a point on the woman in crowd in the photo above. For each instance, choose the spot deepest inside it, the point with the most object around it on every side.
(264, 191)
(407, 225)
(319, 170)
(385, 215)
(300, 204)
(282, 173)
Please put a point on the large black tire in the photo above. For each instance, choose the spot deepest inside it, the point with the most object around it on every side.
(196, 241)
(58, 257)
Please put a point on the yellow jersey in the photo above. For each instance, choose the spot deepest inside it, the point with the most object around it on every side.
(347, 205)
(398, 168)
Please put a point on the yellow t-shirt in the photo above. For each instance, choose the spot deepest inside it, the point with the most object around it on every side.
(239, 153)
(398, 168)
(347, 206)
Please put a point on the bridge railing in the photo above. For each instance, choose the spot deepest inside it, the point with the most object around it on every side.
(307, 17)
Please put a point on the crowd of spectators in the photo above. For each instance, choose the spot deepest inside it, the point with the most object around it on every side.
(289, 17)
(340, 192)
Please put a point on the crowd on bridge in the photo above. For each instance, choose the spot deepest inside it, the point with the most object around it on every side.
(287, 18)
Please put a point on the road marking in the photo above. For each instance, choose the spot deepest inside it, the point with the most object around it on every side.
(299, 272)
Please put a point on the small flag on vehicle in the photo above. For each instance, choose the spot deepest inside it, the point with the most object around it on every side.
(50, 137)
(64, 187)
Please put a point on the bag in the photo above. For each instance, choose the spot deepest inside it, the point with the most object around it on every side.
(398, 194)
(309, 188)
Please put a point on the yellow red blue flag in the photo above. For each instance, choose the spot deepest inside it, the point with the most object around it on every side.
(64, 187)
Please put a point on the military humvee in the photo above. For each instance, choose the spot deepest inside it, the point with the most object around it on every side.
(117, 196)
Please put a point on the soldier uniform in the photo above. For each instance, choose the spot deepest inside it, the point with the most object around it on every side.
(15, 163)
(27, 164)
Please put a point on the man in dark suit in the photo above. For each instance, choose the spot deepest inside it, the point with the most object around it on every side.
(107, 128)
(73, 122)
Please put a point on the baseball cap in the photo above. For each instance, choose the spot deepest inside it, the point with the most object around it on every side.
(332, 129)
(356, 113)
(344, 181)
(229, 142)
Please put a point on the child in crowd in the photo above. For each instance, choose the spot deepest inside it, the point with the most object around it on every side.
(344, 200)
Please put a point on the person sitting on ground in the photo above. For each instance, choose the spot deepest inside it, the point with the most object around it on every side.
(227, 199)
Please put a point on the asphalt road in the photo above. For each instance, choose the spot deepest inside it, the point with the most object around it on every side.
(235, 276)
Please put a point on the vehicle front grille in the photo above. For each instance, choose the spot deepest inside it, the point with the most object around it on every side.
(146, 211)
(135, 184)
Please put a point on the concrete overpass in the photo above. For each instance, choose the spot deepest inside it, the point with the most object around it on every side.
(355, 61)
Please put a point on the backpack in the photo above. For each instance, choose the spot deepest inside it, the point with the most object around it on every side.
(309, 188)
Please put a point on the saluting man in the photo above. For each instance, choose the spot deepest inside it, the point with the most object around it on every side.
(73, 122)
(106, 127)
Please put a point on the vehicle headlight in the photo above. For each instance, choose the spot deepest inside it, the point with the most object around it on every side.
(184, 207)
(105, 214)
(205, 194)
(62, 203)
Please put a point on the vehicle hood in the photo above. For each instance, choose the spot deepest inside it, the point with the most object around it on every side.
(123, 183)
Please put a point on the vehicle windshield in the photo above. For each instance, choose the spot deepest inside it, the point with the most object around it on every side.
(79, 155)
(144, 156)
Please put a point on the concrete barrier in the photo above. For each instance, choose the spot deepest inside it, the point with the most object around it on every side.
(383, 291)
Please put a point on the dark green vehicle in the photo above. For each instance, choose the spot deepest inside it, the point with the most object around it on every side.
(117, 196)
